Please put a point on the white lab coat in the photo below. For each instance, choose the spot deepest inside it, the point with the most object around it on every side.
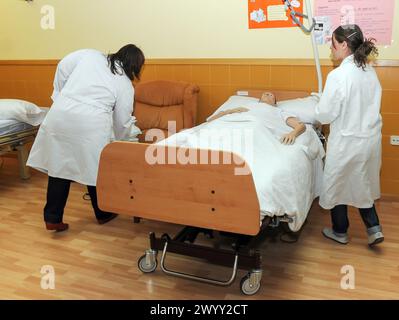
(89, 104)
(350, 103)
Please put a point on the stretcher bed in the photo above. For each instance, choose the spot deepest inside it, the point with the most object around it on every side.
(17, 136)
(205, 196)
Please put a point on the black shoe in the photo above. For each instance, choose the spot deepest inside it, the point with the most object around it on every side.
(107, 219)
(58, 227)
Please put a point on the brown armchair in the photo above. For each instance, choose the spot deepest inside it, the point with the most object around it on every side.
(157, 102)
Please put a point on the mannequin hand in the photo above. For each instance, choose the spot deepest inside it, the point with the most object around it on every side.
(237, 110)
(223, 113)
(288, 138)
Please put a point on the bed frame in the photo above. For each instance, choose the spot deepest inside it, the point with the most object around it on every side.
(203, 197)
(18, 142)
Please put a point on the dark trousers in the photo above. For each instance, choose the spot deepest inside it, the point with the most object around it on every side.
(57, 195)
(340, 222)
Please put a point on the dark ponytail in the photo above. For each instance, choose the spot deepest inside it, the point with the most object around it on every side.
(361, 48)
(130, 58)
(366, 49)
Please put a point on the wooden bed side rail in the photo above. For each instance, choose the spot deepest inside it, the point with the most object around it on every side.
(134, 180)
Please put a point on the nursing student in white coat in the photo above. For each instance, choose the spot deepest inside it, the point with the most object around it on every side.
(350, 103)
(92, 98)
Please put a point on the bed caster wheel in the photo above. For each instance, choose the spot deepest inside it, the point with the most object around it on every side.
(250, 284)
(148, 262)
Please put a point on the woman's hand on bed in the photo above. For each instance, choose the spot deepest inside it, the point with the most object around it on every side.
(288, 138)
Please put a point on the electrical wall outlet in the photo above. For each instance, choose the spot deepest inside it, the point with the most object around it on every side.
(242, 93)
(395, 140)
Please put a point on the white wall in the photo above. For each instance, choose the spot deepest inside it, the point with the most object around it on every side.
(162, 28)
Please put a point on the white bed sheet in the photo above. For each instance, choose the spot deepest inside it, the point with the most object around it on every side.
(287, 178)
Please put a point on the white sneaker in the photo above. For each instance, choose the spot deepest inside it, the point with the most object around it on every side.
(341, 238)
(376, 237)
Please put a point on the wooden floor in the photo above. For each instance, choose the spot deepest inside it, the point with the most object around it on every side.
(100, 262)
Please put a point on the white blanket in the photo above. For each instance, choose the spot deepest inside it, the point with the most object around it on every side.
(286, 177)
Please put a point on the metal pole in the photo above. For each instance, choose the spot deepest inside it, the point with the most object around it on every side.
(315, 48)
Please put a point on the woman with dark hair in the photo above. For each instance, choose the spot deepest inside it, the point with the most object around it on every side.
(92, 102)
(350, 103)
(130, 58)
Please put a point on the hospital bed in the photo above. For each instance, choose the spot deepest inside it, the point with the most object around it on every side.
(17, 136)
(205, 197)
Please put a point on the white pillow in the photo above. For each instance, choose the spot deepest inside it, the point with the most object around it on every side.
(302, 108)
(20, 110)
(235, 102)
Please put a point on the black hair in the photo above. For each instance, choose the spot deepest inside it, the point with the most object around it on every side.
(130, 58)
(360, 47)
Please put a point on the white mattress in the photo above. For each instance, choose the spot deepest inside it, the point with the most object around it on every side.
(13, 126)
(287, 178)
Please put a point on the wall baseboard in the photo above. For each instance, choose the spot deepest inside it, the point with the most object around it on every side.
(385, 197)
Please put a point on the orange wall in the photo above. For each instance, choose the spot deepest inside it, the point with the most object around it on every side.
(218, 79)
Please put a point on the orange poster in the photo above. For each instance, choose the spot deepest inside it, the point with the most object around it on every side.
(272, 13)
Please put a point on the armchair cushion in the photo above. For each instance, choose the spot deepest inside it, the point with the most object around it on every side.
(158, 102)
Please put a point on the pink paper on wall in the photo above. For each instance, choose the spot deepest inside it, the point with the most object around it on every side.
(375, 18)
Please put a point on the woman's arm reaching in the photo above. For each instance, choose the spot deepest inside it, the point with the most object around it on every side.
(298, 127)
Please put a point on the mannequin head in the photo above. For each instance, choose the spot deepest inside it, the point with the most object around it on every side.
(269, 98)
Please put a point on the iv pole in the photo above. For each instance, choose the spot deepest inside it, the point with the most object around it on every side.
(310, 31)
